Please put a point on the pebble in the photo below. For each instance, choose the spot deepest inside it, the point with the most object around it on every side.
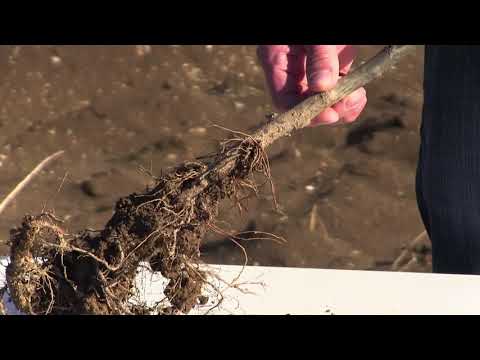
(239, 105)
(310, 188)
(56, 60)
(172, 157)
(198, 130)
(355, 253)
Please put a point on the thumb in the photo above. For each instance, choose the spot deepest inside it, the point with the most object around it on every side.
(322, 67)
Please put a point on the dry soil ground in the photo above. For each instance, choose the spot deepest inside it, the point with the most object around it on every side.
(346, 193)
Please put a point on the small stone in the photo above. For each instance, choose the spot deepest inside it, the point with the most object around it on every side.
(172, 157)
(239, 105)
(355, 253)
(55, 60)
(198, 130)
(310, 188)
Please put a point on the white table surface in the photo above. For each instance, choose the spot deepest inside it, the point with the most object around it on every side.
(281, 291)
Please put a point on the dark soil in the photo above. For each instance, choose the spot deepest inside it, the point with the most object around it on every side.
(52, 272)
(346, 194)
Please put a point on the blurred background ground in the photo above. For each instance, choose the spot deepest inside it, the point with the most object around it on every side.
(346, 193)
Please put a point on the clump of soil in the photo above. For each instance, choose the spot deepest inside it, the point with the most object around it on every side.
(53, 272)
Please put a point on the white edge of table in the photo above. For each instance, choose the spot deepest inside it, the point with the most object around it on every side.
(300, 291)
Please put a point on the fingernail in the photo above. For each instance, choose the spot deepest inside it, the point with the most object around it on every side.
(322, 78)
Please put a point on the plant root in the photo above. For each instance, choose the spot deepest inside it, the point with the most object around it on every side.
(53, 272)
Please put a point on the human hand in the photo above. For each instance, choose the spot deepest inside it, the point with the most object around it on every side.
(294, 72)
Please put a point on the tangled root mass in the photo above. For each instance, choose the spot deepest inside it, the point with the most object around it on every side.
(53, 272)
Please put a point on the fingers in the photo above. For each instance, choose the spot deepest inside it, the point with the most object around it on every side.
(347, 110)
(284, 67)
(328, 117)
(322, 67)
(346, 56)
(325, 62)
(293, 72)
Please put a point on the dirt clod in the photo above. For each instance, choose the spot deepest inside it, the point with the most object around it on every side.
(53, 272)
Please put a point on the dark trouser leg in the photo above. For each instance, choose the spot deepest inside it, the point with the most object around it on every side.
(448, 176)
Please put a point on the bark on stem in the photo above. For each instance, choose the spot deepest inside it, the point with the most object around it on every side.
(302, 114)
